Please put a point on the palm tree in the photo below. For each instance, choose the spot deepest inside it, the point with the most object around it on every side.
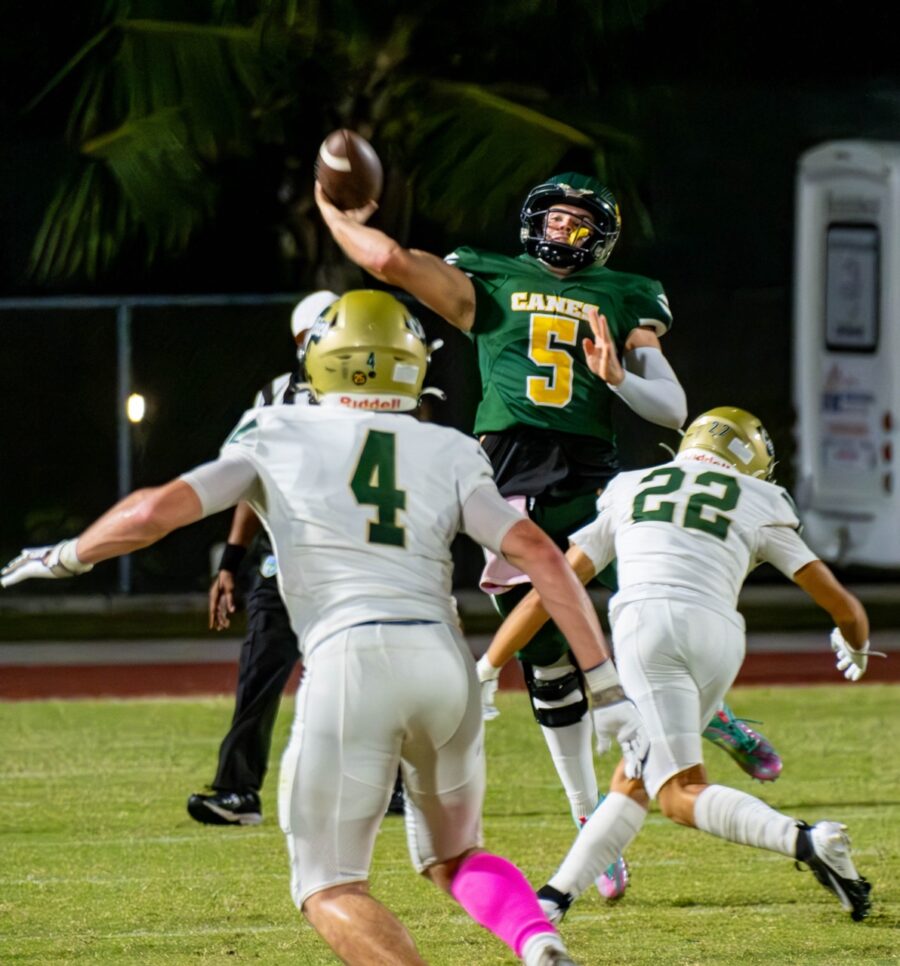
(165, 102)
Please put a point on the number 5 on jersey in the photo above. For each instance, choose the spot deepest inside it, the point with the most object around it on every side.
(374, 483)
(547, 333)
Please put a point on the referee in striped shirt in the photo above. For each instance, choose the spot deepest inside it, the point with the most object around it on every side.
(270, 651)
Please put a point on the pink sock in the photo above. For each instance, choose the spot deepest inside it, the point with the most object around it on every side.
(497, 896)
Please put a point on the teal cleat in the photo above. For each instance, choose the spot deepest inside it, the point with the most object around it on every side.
(753, 753)
(614, 881)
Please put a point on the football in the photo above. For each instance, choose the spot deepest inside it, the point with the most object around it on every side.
(349, 170)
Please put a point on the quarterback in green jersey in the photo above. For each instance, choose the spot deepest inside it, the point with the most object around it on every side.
(529, 328)
(550, 327)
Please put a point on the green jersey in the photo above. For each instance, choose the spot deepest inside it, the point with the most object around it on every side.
(528, 329)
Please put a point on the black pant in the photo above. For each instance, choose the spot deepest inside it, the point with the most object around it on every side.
(268, 656)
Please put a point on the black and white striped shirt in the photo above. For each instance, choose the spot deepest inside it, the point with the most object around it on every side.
(283, 390)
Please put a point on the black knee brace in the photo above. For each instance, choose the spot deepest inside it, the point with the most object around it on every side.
(552, 691)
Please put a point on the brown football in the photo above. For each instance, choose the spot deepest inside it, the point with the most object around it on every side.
(349, 170)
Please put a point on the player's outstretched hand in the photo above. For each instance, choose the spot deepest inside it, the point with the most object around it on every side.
(489, 676)
(49, 563)
(851, 661)
(600, 352)
(221, 601)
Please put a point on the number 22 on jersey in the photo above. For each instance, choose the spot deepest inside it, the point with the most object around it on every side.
(374, 483)
(545, 333)
(722, 493)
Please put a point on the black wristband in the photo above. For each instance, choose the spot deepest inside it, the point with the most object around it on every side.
(232, 556)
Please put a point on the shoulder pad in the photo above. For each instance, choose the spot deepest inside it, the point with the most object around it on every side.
(475, 261)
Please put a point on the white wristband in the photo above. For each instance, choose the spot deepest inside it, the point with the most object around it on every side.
(602, 678)
(69, 558)
(486, 670)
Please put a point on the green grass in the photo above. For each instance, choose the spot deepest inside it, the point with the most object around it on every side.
(99, 862)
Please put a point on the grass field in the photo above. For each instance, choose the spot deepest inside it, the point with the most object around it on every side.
(99, 862)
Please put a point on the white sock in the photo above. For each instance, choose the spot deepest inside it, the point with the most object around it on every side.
(607, 834)
(739, 817)
(534, 947)
(572, 753)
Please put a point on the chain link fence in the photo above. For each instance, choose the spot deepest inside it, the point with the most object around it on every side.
(66, 365)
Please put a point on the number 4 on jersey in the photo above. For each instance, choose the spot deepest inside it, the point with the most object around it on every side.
(374, 482)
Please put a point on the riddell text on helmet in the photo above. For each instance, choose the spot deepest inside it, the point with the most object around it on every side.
(369, 402)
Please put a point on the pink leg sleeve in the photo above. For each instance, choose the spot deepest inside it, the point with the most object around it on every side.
(497, 896)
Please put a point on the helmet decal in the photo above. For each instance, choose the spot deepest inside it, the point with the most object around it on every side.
(734, 437)
(405, 374)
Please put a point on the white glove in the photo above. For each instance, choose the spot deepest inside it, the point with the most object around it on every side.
(849, 660)
(47, 562)
(489, 676)
(615, 716)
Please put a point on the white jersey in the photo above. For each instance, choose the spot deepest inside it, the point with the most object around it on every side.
(691, 530)
(361, 508)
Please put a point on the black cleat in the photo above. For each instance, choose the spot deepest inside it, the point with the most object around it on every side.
(226, 808)
(554, 903)
(825, 848)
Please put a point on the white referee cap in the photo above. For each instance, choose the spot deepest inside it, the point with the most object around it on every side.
(308, 309)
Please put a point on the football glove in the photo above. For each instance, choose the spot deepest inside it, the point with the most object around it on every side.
(851, 661)
(489, 676)
(51, 563)
(615, 716)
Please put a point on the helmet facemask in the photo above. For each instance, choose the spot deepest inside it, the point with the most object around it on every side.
(589, 241)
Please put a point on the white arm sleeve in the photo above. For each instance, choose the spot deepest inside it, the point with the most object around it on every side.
(487, 517)
(222, 483)
(651, 388)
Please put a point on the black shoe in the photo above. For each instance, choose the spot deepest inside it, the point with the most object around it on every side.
(225, 808)
(825, 848)
(554, 903)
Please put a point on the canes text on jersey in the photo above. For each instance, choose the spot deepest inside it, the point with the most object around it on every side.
(552, 304)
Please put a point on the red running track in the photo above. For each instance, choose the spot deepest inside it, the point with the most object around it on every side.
(176, 680)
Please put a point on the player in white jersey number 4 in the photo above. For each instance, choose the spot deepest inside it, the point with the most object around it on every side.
(362, 503)
(685, 535)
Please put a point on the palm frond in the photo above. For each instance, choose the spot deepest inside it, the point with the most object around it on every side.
(153, 162)
(143, 182)
(159, 65)
(477, 151)
(68, 68)
(171, 98)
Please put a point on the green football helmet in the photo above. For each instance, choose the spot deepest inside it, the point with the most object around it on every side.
(733, 435)
(367, 351)
(592, 242)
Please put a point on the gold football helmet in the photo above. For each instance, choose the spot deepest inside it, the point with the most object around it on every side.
(367, 351)
(735, 436)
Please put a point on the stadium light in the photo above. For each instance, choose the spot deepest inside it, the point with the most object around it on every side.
(135, 407)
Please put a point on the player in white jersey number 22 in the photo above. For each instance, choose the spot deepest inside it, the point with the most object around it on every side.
(685, 535)
(361, 502)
